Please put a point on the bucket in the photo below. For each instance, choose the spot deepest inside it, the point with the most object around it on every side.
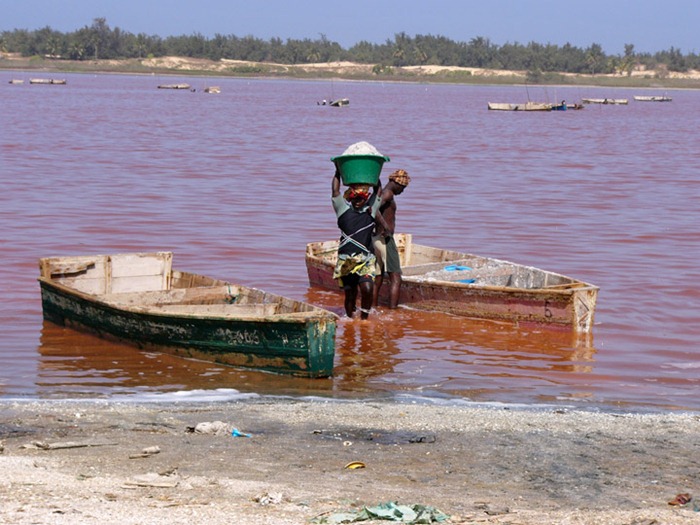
(360, 169)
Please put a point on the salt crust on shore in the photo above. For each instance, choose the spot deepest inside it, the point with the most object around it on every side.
(477, 464)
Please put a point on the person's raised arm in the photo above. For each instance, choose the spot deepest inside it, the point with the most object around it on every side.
(335, 183)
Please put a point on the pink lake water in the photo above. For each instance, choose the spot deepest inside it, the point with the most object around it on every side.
(236, 184)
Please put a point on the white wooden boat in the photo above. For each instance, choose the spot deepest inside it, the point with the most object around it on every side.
(56, 81)
(139, 299)
(618, 101)
(174, 86)
(527, 106)
(474, 286)
(652, 98)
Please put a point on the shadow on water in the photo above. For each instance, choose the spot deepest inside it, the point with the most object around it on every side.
(75, 364)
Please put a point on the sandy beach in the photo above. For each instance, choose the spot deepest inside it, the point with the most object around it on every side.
(128, 463)
(341, 69)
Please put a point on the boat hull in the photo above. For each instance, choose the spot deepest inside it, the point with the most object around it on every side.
(660, 98)
(202, 322)
(527, 106)
(605, 101)
(500, 290)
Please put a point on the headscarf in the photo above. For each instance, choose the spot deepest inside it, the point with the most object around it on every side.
(356, 193)
(400, 177)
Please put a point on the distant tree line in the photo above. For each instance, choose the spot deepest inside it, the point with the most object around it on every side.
(99, 41)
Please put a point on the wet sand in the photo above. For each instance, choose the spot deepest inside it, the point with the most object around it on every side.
(106, 462)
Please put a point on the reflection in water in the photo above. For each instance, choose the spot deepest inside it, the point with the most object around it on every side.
(438, 351)
(367, 349)
(74, 363)
(449, 354)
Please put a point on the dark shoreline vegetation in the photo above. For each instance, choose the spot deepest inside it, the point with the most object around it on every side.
(99, 48)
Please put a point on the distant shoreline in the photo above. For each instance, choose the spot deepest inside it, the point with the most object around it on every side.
(183, 66)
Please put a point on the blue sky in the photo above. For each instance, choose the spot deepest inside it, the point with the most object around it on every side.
(651, 25)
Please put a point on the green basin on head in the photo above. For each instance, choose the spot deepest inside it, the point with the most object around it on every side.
(360, 169)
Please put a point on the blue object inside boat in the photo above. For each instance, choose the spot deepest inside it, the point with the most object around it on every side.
(456, 268)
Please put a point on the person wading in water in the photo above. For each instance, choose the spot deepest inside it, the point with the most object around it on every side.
(356, 210)
(385, 249)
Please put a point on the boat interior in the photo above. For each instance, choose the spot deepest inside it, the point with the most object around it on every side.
(146, 281)
(420, 263)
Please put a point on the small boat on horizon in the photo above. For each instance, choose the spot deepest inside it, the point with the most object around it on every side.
(606, 101)
(52, 81)
(174, 86)
(340, 102)
(652, 98)
(527, 106)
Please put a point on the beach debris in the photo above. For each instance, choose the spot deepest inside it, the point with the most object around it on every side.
(681, 499)
(210, 427)
(354, 465)
(270, 498)
(42, 445)
(492, 510)
(390, 511)
(216, 428)
(686, 500)
(152, 479)
(2, 447)
(146, 452)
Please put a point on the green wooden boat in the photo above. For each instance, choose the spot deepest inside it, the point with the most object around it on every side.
(139, 299)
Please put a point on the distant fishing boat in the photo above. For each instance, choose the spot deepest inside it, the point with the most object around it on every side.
(335, 103)
(174, 86)
(527, 106)
(652, 98)
(58, 81)
(618, 101)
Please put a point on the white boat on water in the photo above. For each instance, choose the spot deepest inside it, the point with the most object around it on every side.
(652, 98)
(618, 101)
(527, 106)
